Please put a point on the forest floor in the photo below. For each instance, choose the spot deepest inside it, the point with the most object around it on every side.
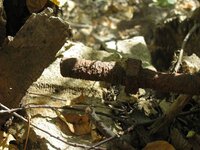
(79, 114)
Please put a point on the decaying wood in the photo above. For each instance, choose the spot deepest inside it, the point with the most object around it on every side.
(33, 48)
(132, 78)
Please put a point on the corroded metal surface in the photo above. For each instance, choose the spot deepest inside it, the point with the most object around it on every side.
(114, 72)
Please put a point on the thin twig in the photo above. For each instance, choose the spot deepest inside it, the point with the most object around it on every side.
(76, 25)
(189, 112)
(79, 108)
(186, 39)
(11, 110)
(103, 142)
(58, 138)
(128, 130)
(28, 132)
(76, 108)
(106, 131)
(52, 97)
(73, 108)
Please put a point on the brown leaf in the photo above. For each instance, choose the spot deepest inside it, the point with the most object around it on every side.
(77, 124)
(76, 118)
(81, 124)
(159, 145)
(96, 137)
(78, 100)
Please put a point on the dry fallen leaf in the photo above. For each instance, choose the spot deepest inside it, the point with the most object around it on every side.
(159, 145)
(77, 124)
(78, 100)
(5, 141)
(96, 137)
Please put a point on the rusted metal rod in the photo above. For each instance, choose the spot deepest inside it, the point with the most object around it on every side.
(131, 74)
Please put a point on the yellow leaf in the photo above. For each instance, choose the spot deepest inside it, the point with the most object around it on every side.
(56, 2)
(191, 134)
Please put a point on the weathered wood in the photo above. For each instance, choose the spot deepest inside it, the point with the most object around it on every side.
(33, 48)
(118, 73)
